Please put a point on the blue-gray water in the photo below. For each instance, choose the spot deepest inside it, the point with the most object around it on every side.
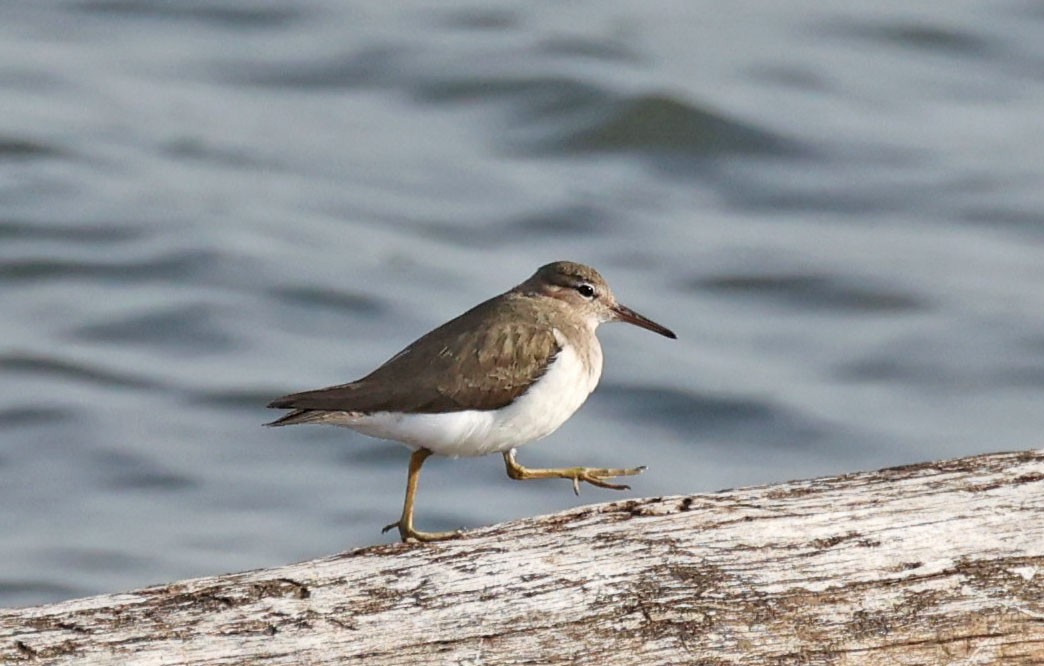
(838, 206)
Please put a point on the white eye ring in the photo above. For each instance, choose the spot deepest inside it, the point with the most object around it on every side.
(586, 290)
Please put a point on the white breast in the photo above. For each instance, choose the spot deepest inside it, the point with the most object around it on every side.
(536, 414)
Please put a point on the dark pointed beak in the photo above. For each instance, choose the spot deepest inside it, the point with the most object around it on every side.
(628, 315)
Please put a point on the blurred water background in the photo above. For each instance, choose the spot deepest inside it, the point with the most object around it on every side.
(205, 204)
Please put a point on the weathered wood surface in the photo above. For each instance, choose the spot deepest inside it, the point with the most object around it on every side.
(939, 563)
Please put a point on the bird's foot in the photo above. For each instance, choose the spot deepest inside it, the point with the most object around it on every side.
(596, 476)
(406, 532)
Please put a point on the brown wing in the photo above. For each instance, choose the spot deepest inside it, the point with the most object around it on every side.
(453, 368)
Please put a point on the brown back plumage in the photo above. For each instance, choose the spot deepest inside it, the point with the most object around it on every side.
(458, 366)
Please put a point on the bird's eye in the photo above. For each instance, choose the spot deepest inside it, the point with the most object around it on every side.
(586, 290)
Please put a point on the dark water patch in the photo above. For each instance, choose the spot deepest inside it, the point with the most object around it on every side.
(636, 259)
(192, 328)
(917, 36)
(811, 291)
(660, 123)
(121, 470)
(338, 300)
(700, 415)
(29, 416)
(765, 184)
(479, 18)
(68, 370)
(1029, 221)
(173, 265)
(95, 560)
(980, 356)
(12, 148)
(242, 399)
(883, 370)
(561, 114)
(1025, 376)
(939, 376)
(31, 591)
(197, 150)
(912, 368)
(366, 67)
(1034, 343)
(843, 189)
(789, 76)
(80, 233)
(590, 49)
(575, 220)
(453, 232)
(1030, 9)
(568, 221)
(873, 155)
(528, 95)
(30, 79)
(758, 196)
(219, 13)
(150, 480)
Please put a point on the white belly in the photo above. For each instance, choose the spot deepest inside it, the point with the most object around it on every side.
(536, 414)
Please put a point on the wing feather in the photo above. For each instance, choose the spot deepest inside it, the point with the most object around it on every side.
(456, 367)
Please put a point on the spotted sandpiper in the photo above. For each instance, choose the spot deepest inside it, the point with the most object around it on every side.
(507, 372)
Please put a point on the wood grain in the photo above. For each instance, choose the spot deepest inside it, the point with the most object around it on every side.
(937, 563)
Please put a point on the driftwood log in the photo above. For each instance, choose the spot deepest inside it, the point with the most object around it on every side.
(937, 563)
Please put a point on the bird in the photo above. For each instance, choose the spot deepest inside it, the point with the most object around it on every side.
(507, 372)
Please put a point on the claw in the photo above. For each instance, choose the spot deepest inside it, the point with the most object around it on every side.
(406, 532)
(594, 475)
(596, 479)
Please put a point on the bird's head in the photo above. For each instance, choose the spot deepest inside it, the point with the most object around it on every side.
(587, 293)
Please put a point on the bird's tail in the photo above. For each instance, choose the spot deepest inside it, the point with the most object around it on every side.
(299, 416)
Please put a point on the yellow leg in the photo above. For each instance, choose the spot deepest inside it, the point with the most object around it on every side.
(593, 475)
(405, 523)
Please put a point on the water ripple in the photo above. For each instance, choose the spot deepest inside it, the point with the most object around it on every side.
(663, 123)
(235, 398)
(556, 222)
(126, 471)
(312, 296)
(916, 36)
(211, 13)
(182, 264)
(698, 415)
(367, 66)
(28, 416)
(17, 230)
(566, 115)
(480, 18)
(815, 291)
(68, 370)
(12, 148)
(23, 591)
(193, 328)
